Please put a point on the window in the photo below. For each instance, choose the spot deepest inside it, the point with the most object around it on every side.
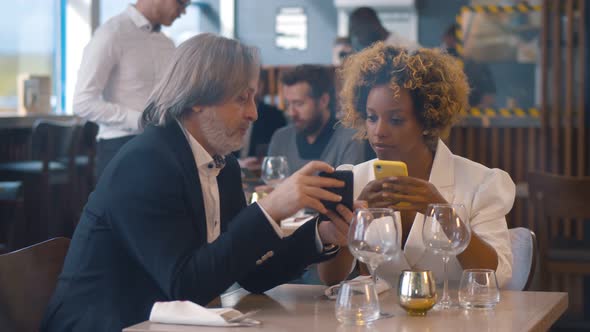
(28, 45)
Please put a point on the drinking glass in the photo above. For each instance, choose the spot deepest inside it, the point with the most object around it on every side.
(373, 237)
(274, 170)
(479, 289)
(446, 232)
(357, 302)
(416, 291)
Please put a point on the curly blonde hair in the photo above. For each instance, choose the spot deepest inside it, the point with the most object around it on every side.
(435, 80)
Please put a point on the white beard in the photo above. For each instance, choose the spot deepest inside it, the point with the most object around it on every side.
(217, 136)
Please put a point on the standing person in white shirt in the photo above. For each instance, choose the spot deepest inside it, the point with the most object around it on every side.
(120, 67)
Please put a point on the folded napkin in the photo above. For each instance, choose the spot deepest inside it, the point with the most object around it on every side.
(332, 292)
(189, 313)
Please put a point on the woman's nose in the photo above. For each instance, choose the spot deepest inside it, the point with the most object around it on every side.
(381, 128)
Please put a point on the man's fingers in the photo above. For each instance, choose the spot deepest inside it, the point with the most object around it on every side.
(315, 204)
(320, 181)
(315, 166)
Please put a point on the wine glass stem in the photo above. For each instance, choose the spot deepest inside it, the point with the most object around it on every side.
(372, 270)
(446, 299)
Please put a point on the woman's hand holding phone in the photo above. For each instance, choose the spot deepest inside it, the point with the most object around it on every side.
(393, 187)
(416, 193)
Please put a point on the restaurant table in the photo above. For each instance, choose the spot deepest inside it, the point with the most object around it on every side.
(304, 308)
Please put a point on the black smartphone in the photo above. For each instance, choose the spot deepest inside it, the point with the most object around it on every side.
(346, 192)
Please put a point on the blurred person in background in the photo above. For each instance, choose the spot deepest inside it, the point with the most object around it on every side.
(314, 132)
(121, 64)
(481, 81)
(365, 28)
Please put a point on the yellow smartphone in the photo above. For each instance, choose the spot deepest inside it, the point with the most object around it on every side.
(387, 168)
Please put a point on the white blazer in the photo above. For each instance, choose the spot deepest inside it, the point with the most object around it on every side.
(488, 195)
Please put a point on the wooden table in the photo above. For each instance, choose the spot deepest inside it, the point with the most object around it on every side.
(303, 308)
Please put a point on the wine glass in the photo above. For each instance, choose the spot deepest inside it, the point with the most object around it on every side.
(447, 233)
(373, 237)
(274, 170)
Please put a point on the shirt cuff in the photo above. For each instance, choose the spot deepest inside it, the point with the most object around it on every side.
(132, 120)
(272, 222)
(326, 250)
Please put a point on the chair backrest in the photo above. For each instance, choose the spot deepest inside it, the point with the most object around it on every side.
(560, 196)
(524, 258)
(27, 280)
(54, 140)
(86, 145)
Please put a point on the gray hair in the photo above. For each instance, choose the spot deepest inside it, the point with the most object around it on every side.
(205, 70)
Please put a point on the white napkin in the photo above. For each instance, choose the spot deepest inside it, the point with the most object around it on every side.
(189, 313)
(332, 292)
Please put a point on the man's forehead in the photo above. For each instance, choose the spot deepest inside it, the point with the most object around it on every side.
(301, 87)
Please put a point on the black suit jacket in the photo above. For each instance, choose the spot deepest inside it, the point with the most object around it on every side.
(142, 238)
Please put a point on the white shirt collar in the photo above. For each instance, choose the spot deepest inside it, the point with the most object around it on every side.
(203, 159)
(138, 19)
(442, 173)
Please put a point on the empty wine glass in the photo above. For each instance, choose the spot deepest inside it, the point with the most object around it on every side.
(373, 239)
(447, 233)
(274, 170)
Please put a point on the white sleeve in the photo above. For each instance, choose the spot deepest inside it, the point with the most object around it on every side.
(99, 59)
(492, 201)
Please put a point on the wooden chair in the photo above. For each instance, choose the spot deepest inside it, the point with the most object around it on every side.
(558, 200)
(48, 171)
(524, 257)
(11, 215)
(562, 208)
(27, 280)
(84, 162)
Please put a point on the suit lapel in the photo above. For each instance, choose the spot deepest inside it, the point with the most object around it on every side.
(182, 149)
(231, 195)
(442, 176)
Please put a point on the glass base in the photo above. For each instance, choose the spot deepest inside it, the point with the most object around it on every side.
(445, 305)
(478, 306)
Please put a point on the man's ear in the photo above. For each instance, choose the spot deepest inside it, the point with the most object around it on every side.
(324, 101)
(197, 109)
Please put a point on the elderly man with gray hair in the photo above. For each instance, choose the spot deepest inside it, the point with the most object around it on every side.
(168, 219)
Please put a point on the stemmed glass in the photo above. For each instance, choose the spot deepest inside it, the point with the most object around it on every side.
(274, 170)
(373, 237)
(447, 233)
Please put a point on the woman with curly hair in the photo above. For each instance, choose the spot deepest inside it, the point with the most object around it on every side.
(404, 103)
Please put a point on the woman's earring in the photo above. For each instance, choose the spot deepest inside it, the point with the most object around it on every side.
(425, 132)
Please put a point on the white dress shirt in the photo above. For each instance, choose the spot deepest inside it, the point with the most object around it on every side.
(488, 195)
(120, 67)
